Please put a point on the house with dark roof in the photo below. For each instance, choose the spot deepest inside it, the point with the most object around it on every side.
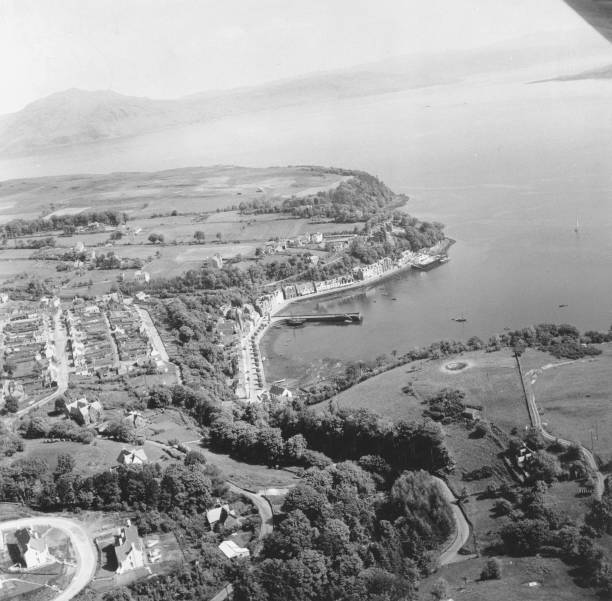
(84, 412)
(32, 549)
(128, 549)
(279, 393)
(222, 518)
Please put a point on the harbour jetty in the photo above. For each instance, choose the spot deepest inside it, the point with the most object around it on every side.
(298, 320)
(270, 305)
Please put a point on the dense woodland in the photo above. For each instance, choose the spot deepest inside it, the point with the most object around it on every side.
(348, 536)
(357, 198)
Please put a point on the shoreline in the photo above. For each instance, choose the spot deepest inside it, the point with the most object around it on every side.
(253, 340)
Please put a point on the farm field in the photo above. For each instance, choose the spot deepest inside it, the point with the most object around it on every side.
(550, 575)
(576, 399)
(187, 190)
(490, 380)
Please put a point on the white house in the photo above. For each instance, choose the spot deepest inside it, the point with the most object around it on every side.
(132, 457)
(32, 548)
(215, 261)
(231, 550)
(128, 549)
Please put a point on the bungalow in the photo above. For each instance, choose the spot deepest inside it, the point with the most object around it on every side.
(132, 457)
(128, 549)
(278, 393)
(231, 550)
(33, 549)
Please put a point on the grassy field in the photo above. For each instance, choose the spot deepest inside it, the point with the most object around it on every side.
(148, 199)
(490, 380)
(188, 190)
(174, 425)
(576, 400)
(553, 583)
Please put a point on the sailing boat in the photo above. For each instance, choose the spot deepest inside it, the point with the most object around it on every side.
(577, 228)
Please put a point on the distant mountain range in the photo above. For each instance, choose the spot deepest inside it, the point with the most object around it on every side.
(76, 116)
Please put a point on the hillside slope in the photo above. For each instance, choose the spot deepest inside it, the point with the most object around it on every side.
(73, 117)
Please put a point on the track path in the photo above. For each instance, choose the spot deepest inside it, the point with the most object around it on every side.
(529, 380)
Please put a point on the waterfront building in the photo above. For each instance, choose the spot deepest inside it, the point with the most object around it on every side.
(290, 291)
(305, 288)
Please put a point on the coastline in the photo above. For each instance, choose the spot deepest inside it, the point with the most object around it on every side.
(250, 345)
(443, 247)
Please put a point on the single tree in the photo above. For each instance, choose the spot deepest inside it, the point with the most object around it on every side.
(491, 570)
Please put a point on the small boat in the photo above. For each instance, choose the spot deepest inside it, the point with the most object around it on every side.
(577, 228)
(444, 259)
(393, 298)
(562, 306)
(296, 322)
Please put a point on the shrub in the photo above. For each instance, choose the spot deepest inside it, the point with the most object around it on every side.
(491, 570)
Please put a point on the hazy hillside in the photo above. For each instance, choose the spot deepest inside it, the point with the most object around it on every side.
(603, 73)
(76, 116)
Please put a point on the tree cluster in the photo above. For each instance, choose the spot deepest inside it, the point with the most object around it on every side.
(342, 538)
(24, 227)
(190, 488)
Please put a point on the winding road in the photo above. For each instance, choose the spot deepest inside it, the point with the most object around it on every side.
(86, 555)
(529, 379)
(462, 528)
